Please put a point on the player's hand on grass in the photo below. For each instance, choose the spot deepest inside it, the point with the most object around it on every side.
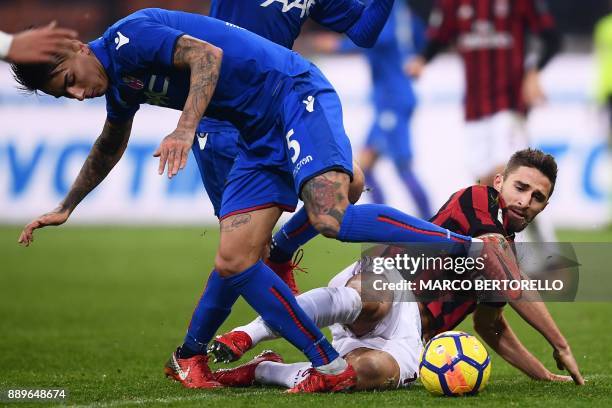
(559, 378)
(40, 44)
(566, 361)
(173, 151)
(56, 217)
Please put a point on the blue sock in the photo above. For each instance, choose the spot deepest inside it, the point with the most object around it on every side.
(416, 189)
(272, 299)
(210, 313)
(381, 223)
(374, 189)
(295, 233)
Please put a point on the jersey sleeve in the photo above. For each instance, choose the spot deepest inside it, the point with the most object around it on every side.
(147, 45)
(480, 206)
(537, 16)
(117, 111)
(337, 15)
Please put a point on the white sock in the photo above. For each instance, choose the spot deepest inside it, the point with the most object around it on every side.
(325, 306)
(335, 367)
(258, 331)
(286, 375)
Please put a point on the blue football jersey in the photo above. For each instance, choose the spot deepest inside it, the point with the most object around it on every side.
(137, 54)
(396, 44)
(281, 20)
(401, 38)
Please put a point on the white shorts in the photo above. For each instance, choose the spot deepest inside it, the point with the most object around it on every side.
(398, 334)
(492, 140)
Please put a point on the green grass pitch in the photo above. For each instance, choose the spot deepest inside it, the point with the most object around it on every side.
(98, 310)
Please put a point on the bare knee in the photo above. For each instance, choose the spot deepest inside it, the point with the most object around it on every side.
(228, 262)
(374, 306)
(326, 198)
(243, 240)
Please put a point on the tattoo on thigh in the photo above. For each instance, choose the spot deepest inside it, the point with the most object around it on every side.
(235, 222)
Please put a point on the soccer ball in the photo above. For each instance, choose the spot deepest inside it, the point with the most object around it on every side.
(454, 363)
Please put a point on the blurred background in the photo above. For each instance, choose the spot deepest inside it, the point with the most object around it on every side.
(576, 19)
(44, 141)
(98, 309)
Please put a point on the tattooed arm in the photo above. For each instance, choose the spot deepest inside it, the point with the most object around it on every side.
(104, 155)
(204, 62)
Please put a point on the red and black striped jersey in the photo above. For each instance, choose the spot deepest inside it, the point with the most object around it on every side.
(490, 36)
(473, 211)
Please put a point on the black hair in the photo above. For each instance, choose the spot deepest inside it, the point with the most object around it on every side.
(32, 77)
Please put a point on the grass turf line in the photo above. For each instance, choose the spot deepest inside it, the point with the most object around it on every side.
(98, 310)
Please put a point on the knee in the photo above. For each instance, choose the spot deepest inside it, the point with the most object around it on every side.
(231, 260)
(227, 265)
(326, 222)
(356, 186)
(326, 199)
(324, 227)
(375, 311)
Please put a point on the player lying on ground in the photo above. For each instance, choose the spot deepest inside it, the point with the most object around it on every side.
(382, 340)
(293, 144)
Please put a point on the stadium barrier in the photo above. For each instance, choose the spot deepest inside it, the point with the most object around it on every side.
(44, 141)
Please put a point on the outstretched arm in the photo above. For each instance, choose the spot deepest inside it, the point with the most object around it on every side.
(491, 325)
(441, 31)
(104, 155)
(536, 314)
(204, 62)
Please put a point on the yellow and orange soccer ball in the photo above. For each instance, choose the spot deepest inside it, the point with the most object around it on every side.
(454, 363)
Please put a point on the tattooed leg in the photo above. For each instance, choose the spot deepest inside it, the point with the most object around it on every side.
(242, 235)
(326, 198)
(243, 239)
(239, 263)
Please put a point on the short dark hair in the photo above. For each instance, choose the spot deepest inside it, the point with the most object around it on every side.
(32, 77)
(536, 159)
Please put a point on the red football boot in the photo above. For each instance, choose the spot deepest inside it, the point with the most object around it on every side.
(244, 375)
(285, 270)
(319, 382)
(192, 372)
(230, 346)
